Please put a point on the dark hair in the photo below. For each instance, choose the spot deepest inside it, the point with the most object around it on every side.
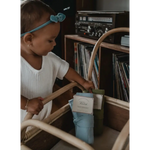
(31, 12)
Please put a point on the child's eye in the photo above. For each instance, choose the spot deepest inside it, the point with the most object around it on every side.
(50, 41)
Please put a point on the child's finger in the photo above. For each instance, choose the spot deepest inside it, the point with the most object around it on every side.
(92, 84)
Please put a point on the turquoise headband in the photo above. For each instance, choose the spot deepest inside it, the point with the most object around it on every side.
(57, 18)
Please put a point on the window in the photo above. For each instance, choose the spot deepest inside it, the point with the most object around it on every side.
(19, 2)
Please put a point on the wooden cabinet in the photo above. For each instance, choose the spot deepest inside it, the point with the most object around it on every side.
(116, 111)
(85, 5)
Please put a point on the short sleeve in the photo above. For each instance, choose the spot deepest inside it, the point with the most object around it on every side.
(63, 69)
(61, 66)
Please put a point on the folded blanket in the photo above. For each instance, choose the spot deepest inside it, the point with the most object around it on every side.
(98, 114)
(84, 123)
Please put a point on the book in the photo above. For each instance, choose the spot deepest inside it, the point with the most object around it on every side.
(128, 79)
(123, 84)
(94, 79)
(113, 76)
(76, 57)
(87, 58)
(95, 71)
(82, 53)
(128, 70)
(84, 61)
(120, 77)
(87, 50)
(96, 68)
(81, 72)
(97, 58)
(117, 80)
(128, 85)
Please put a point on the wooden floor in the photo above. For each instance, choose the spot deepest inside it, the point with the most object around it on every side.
(102, 142)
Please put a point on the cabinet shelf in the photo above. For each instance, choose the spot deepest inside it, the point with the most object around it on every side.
(115, 47)
(106, 50)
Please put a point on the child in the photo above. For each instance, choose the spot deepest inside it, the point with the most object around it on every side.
(39, 66)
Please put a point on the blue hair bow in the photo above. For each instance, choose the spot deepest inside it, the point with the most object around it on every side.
(57, 18)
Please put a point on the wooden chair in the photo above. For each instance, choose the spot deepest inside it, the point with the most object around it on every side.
(62, 118)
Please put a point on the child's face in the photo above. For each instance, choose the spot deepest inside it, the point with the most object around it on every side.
(43, 40)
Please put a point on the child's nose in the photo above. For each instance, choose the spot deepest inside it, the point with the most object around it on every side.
(54, 43)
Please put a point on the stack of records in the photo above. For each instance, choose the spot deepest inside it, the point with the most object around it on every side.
(121, 76)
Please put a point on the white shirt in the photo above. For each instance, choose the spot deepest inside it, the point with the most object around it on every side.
(39, 83)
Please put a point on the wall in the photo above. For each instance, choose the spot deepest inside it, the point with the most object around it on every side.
(114, 5)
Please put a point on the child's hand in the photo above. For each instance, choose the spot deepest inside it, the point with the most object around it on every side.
(35, 105)
(88, 85)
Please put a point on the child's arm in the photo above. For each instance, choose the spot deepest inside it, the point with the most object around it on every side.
(34, 105)
(72, 75)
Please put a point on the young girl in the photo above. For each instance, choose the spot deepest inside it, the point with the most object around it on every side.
(39, 66)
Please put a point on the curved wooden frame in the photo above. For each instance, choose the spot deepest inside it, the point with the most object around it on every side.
(53, 96)
(48, 99)
(122, 137)
(97, 45)
(59, 133)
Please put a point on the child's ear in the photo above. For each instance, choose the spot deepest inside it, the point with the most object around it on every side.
(27, 38)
